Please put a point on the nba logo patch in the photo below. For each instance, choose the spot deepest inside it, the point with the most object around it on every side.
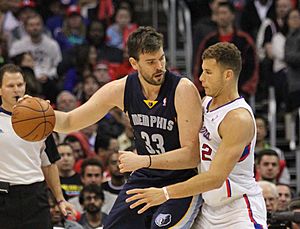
(163, 220)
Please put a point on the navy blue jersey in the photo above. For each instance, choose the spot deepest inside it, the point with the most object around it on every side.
(155, 123)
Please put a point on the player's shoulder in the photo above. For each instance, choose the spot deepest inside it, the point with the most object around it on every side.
(238, 117)
(185, 86)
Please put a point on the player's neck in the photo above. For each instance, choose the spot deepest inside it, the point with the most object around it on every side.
(150, 91)
(223, 99)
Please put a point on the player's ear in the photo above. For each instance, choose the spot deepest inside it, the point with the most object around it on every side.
(229, 74)
(133, 63)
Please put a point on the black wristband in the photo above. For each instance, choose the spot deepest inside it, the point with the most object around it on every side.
(150, 161)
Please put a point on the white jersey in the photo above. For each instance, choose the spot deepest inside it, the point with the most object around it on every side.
(20, 160)
(241, 179)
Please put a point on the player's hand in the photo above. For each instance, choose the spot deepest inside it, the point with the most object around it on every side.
(24, 97)
(130, 161)
(66, 208)
(28, 96)
(149, 197)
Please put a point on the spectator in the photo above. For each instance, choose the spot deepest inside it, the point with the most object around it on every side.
(292, 59)
(261, 144)
(73, 30)
(66, 101)
(228, 33)
(57, 219)
(117, 33)
(267, 167)
(96, 37)
(267, 30)
(104, 146)
(45, 51)
(26, 62)
(91, 198)
(112, 187)
(270, 195)
(69, 179)
(90, 133)
(295, 207)
(26, 9)
(206, 25)
(284, 196)
(91, 173)
(89, 87)
(102, 74)
(254, 13)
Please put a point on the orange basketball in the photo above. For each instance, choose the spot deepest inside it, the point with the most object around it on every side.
(33, 119)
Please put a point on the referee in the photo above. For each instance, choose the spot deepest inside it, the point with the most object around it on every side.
(24, 166)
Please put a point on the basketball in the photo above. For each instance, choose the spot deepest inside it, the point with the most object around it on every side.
(33, 119)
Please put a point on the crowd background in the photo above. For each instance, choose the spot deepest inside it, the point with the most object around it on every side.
(68, 49)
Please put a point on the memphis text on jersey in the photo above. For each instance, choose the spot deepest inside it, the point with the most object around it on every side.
(152, 121)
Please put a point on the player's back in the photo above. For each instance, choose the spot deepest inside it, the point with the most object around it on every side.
(155, 124)
(241, 179)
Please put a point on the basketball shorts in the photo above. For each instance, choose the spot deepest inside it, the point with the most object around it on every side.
(248, 212)
(175, 213)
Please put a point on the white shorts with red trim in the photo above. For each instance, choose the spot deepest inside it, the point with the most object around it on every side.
(246, 212)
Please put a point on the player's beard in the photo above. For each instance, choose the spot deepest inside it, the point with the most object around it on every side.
(151, 80)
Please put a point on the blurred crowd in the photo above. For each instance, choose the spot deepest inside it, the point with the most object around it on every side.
(68, 49)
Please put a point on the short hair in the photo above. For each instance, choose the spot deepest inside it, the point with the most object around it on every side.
(294, 204)
(11, 68)
(91, 162)
(102, 141)
(91, 188)
(144, 40)
(226, 54)
(228, 5)
(35, 15)
(266, 152)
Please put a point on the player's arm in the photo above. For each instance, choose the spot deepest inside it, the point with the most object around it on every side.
(236, 130)
(189, 118)
(107, 97)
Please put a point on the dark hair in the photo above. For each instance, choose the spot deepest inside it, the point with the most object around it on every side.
(11, 68)
(294, 204)
(228, 5)
(144, 40)
(227, 54)
(36, 15)
(262, 118)
(102, 141)
(91, 188)
(91, 162)
(17, 59)
(266, 152)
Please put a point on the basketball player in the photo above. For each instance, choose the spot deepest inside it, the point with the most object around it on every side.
(161, 107)
(24, 166)
(232, 198)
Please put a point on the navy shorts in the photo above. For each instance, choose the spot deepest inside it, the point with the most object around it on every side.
(175, 213)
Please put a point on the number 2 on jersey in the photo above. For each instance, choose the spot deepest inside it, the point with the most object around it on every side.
(156, 139)
(206, 152)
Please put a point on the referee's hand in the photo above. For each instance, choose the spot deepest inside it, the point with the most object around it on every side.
(66, 208)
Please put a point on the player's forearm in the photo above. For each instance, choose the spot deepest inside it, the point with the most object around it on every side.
(183, 158)
(62, 122)
(52, 178)
(203, 182)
